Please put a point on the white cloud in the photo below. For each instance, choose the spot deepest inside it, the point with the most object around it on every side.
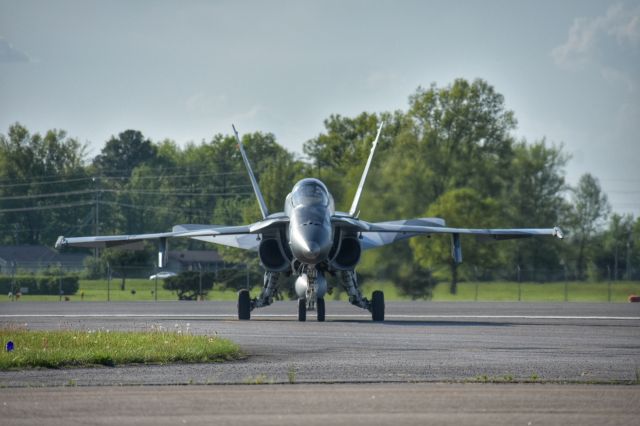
(247, 115)
(202, 103)
(378, 79)
(8, 53)
(611, 42)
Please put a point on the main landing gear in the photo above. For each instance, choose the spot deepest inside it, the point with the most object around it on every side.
(309, 299)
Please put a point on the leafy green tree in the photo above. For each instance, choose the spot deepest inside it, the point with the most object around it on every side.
(616, 248)
(590, 210)
(533, 197)
(190, 284)
(461, 207)
(126, 262)
(42, 185)
(122, 154)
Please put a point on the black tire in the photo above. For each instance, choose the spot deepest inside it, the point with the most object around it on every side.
(302, 309)
(320, 309)
(377, 306)
(244, 305)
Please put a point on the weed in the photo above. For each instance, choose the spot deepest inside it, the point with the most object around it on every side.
(260, 379)
(291, 374)
(534, 377)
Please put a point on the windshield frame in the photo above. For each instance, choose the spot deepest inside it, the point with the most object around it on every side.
(309, 193)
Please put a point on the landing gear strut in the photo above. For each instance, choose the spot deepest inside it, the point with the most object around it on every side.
(375, 306)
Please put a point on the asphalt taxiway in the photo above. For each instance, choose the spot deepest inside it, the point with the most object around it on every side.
(418, 342)
(344, 404)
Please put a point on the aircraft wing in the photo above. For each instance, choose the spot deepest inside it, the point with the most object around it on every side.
(378, 234)
(244, 236)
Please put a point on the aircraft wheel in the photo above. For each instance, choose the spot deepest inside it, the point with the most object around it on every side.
(302, 309)
(320, 309)
(377, 306)
(244, 305)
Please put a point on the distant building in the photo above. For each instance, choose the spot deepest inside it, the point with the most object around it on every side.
(193, 260)
(33, 258)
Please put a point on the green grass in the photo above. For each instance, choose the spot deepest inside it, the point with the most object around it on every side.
(96, 291)
(508, 291)
(64, 348)
(539, 292)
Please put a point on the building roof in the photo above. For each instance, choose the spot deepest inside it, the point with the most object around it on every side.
(195, 256)
(22, 254)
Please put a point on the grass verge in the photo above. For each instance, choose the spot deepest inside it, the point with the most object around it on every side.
(73, 348)
(618, 292)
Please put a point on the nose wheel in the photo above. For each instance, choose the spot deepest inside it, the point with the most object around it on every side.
(302, 310)
(319, 308)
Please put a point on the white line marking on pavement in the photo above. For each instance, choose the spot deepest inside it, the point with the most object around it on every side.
(392, 316)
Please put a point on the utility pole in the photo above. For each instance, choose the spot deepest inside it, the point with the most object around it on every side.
(628, 263)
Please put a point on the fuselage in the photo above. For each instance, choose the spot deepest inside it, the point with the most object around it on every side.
(310, 207)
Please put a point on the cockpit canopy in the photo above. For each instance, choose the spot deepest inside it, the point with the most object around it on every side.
(309, 192)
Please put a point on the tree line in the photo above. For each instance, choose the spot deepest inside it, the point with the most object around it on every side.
(452, 154)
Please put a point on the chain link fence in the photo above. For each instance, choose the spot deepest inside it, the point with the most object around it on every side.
(46, 282)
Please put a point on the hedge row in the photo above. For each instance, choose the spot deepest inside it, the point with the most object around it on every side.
(40, 284)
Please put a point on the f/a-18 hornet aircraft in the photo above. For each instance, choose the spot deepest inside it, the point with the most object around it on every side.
(309, 239)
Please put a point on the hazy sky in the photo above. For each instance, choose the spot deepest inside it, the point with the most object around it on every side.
(185, 70)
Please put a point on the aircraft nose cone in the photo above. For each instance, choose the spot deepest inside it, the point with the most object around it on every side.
(311, 244)
(311, 250)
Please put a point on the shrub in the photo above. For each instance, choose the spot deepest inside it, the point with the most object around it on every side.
(187, 284)
(49, 285)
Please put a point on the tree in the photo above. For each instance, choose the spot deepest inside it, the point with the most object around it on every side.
(590, 209)
(616, 248)
(43, 185)
(533, 197)
(122, 154)
(189, 284)
(461, 207)
(124, 261)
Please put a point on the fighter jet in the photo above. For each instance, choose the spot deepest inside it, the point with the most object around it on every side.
(309, 239)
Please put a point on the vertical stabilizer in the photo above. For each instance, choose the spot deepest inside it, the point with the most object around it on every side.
(254, 183)
(356, 199)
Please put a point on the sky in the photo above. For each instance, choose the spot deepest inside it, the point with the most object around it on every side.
(186, 70)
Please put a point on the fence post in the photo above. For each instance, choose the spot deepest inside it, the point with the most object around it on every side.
(566, 285)
(108, 282)
(155, 292)
(475, 275)
(200, 281)
(13, 281)
(519, 284)
(60, 282)
(609, 283)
